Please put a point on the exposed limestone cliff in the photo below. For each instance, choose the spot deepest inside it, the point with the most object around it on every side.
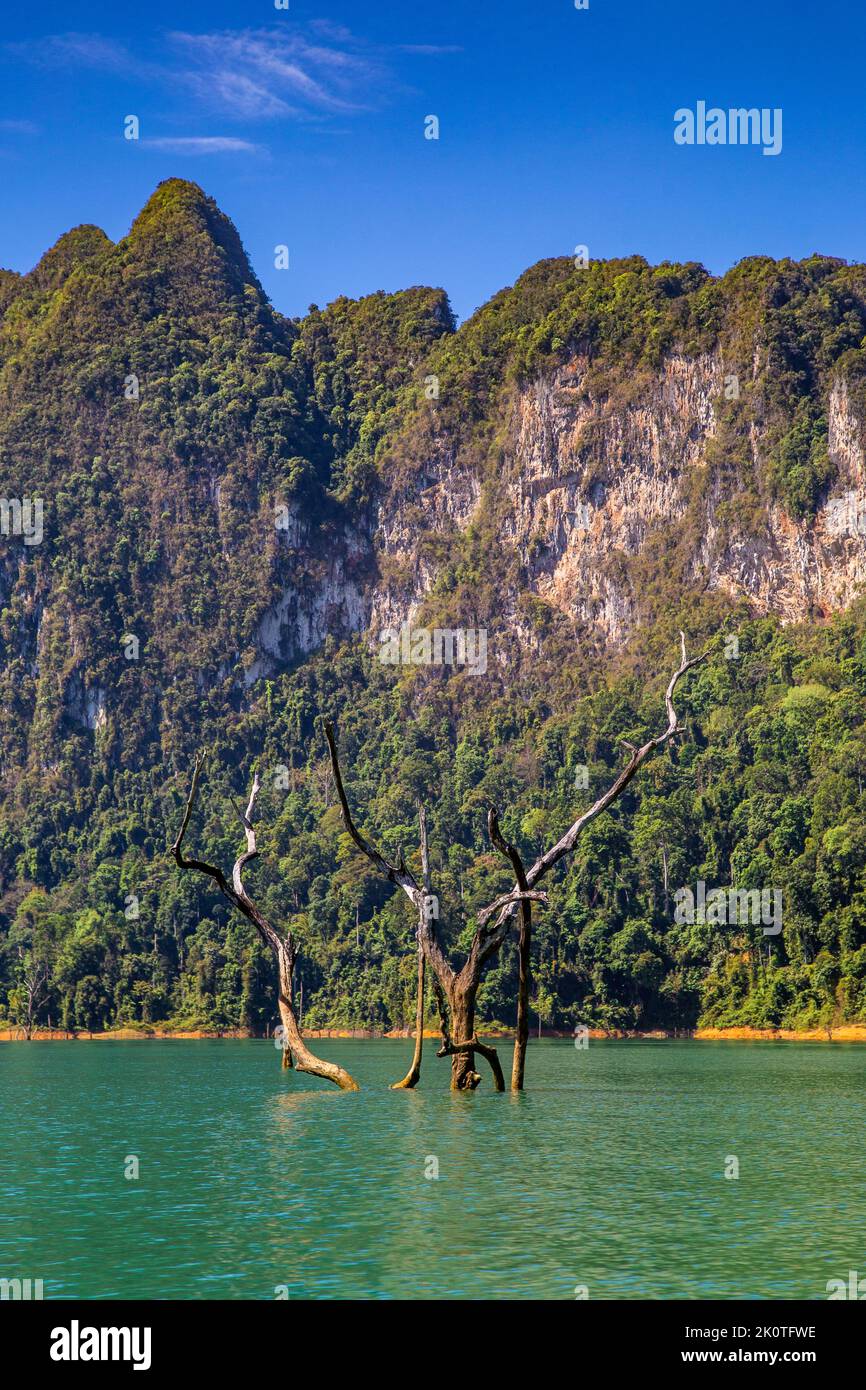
(590, 482)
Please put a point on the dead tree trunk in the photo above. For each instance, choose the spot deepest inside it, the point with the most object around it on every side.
(35, 983)
(283, 946)
(464, 1077)
(459, 989)
(456, 991)
(521, 1037)
(526, 880)
(413, 1075)
(461, 1000)
(524, 950)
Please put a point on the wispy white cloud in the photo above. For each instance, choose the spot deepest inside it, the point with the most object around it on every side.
(328, 29)
(73, 49)
(238, 94)
(273, 72)
(19, 127)
(312, 72)
(202, 144)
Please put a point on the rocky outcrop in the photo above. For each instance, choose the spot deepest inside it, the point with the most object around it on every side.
(592, 480)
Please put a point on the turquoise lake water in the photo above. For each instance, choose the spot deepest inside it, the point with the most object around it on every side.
(609, 1172)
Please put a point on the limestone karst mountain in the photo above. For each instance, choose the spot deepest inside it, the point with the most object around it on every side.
(235, 505)
(231, 487)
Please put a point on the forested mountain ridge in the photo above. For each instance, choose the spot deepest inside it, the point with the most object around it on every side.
(235, 505)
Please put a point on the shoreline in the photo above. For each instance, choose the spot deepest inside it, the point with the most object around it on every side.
(843, 1032)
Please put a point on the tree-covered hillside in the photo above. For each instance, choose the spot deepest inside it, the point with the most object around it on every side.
(765, 787)
(217, 481)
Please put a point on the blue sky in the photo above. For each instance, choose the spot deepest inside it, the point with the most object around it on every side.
(556, 129)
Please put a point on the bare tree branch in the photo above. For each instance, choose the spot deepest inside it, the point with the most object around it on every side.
(524, 950)
(283, 946)
(460, 988)
(395, 873)
(251, 851)
(638, 757)
(179, 858)
(516, 896)
(442, 1006)
(470, 1046)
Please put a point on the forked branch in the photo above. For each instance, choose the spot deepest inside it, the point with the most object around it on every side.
(615, 790)
(563, 846)
(395, 873)
(456, 991)
(454, 1049)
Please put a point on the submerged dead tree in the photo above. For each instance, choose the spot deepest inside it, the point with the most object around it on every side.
(524, 950)
(456, 990)
(413, 1075)
(282, 945)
